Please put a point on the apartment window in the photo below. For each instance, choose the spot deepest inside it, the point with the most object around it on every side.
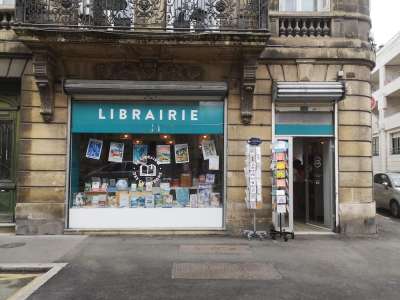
(396, 143)
(7, 3)
(375, 146)
(304, 5)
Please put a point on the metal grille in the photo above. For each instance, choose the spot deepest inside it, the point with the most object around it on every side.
(375, 146)
(395, 145)
(135, 14)
(6, 139)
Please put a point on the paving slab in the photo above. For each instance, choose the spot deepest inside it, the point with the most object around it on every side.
(36, 249)
(217, 271)
(224, 268)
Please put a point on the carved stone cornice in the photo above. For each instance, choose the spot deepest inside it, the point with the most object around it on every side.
(43, 70)
(149, 70)
(248, 84)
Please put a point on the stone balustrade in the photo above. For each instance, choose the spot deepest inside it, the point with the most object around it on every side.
(6, 18)
(304, 27)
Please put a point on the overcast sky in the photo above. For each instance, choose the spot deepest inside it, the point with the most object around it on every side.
(385, 16)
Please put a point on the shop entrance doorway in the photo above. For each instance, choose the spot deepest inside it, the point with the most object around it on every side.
(313, 183)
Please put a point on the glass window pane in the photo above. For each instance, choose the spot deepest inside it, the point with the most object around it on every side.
(323, 5)
(6, 140)
(8, 3)
(308, 5)
(288, 5)
(148, 170)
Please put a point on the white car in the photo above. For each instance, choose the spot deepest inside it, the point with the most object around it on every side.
(387, 192)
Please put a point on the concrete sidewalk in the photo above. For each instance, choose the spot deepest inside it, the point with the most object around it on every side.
(125, 267)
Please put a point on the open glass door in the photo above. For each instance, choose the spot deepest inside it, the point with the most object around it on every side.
(314, 182)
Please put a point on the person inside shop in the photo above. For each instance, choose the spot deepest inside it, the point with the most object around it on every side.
(298, 189)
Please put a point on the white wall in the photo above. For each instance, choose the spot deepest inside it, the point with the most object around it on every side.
(386, 118)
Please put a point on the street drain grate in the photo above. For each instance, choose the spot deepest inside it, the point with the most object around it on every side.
(233, 271)
(12, 245)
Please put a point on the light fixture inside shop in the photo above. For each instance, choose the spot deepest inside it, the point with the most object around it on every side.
(165, 136)
(205, 136)
(137, 142)
(126, 136)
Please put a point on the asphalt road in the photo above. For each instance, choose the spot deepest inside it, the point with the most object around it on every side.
(330, 267)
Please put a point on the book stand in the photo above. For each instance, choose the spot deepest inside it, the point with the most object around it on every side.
(281, 232)
(254, 186)
(254, 234)
(282, 190)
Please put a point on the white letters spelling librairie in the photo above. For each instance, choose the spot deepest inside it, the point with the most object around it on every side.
(153, 115)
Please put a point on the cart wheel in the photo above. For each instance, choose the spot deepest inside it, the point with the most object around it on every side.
(285, 238)
(273, 236)
(293, 236)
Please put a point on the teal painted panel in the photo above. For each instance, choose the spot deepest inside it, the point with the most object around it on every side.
(304, 129)
(151, 118)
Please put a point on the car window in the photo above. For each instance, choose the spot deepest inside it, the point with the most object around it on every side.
(377, 178)
(395, 179)
(385, 178)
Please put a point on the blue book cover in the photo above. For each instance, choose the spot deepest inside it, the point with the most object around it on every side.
(182, 197)
(138, 152)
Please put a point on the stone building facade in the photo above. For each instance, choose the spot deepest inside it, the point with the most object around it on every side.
(287, 46)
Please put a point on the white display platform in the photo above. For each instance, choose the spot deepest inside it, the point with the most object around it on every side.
(145, 218)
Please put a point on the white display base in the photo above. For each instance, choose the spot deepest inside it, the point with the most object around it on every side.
(145, 218)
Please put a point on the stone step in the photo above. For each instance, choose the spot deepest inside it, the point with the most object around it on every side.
(145, 232)
(7, 228)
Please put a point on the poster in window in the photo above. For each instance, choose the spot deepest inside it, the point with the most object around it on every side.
(94, 149)
(163, 154)
(139, 151)
(116, 153)
(181, 153)
(208, 149)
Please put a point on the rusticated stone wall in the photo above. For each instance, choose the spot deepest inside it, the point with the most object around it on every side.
(41, 174)
(237, 215)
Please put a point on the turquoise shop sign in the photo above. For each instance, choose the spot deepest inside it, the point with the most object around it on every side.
(304, 129)
(151, 118)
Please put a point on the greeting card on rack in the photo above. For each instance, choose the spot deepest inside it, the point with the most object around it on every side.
(280, 156)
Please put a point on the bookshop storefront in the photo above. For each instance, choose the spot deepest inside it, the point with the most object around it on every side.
(139, 163)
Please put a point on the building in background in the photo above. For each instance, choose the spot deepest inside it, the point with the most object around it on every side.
(134, 115)
(386, 112)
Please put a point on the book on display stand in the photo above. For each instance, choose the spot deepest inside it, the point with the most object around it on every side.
(280, 189)
(253, 191)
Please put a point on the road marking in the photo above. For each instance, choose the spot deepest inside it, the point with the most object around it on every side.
(16, 276)
(49, 270)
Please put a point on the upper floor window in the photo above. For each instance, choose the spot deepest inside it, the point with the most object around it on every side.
(7, 3)
(396, 143)
(375, 146)
(304, 5)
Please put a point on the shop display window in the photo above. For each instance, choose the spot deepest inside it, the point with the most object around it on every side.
(132, 171)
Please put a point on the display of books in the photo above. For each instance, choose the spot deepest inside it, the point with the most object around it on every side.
(182, 197)
(186, 181)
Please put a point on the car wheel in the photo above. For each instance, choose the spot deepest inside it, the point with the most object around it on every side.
(394, 209)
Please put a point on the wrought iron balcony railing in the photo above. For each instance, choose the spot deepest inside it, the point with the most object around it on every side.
(174, 15)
